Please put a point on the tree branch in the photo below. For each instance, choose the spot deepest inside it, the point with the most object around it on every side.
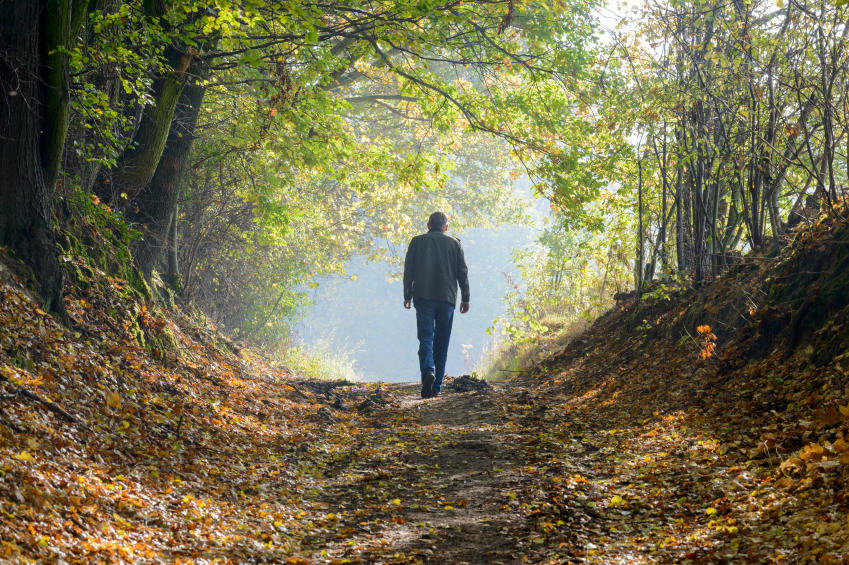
(376, 97)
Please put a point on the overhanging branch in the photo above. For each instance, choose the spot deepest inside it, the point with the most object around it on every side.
(376, 97)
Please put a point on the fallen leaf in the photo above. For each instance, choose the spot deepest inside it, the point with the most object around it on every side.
(113, 400)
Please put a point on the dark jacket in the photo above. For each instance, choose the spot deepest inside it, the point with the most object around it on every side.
(433, 268)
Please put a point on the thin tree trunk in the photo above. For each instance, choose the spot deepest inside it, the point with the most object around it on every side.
(680, 251)
(663, 207)
(640, 244)
(172, 272)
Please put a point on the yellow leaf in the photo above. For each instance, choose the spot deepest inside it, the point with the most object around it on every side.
(812, 452)
(792, 463)
(24, 456)
(113, 400)
(844, 410)
(710, 511)
(617, 500)
(396, 502)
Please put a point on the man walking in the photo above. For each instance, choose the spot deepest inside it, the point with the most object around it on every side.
(433, 268)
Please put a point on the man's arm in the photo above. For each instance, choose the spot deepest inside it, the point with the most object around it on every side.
(409, 267)
(463, 280)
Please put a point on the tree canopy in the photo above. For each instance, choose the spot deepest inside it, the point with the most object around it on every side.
(241, 149)
(250, 146)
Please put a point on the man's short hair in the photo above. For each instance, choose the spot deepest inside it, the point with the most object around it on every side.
(437, 220)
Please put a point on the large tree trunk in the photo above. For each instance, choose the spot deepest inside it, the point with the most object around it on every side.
(33, 127)
(138, 163)
(156, 204)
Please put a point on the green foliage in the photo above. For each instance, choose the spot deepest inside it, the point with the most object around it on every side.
(320, 360)
(111, 75)
(306, 177)
(94, 232)
(660, 292)
(570, 275)
(727, 142)
(644, 326)
(333, 131)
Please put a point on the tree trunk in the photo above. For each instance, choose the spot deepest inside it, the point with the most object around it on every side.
(663, 207)
(155, 205)
(679, 222)
(172, 270)
(640, 244)
(138, 164)
(33, 127)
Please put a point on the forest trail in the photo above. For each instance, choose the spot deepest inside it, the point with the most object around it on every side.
(525, 473)
(479, 478)
(468, 464)
(447, 467)
(443, 476)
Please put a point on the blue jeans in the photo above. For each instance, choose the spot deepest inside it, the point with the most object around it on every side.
(433, 321)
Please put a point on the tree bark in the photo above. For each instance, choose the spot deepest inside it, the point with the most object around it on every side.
(33, 127)
(680, 254)
(640, 236)
(154, 206)
(172, 270)
(138, 164)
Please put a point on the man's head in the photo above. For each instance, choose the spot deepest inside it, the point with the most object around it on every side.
(437, 221)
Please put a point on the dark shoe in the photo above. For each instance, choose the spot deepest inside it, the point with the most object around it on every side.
(427, 385)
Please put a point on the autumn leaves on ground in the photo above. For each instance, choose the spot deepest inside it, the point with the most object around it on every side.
(693, 425)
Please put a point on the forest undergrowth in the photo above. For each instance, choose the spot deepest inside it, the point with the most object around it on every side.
(694, 425)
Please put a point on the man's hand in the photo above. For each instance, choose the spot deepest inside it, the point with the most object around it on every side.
(464, 307)
(407, 304)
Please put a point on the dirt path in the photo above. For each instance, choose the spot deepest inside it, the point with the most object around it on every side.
(530, 475)
(473, 465)
(443, 480)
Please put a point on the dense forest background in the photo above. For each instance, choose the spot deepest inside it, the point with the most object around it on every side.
(227, 156)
